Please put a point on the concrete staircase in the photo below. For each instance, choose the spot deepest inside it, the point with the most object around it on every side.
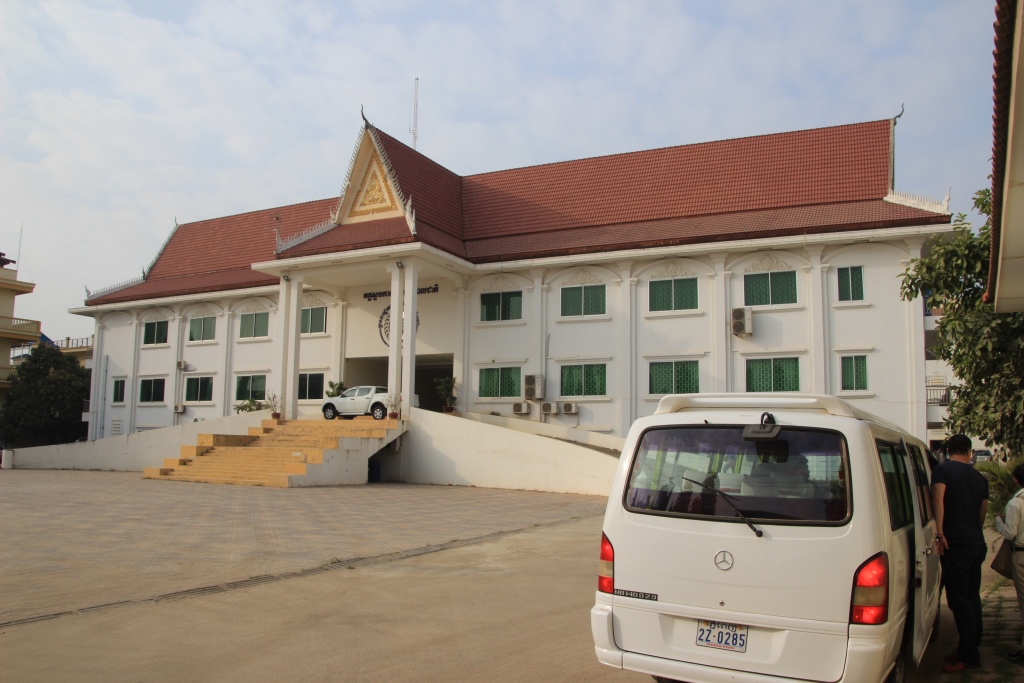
(283, 453)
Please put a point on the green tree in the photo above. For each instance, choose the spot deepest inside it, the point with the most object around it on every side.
(985, 349)
(44, 404)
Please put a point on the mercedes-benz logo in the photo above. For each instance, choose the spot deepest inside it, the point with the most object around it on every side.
(723, 560)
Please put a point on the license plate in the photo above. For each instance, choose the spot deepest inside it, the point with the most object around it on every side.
(722, 636)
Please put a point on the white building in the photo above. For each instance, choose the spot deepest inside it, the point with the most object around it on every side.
(769, 263)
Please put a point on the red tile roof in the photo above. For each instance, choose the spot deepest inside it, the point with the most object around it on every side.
(821, 180)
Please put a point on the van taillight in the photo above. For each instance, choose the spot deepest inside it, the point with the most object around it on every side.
(606, 568)
(871, 592)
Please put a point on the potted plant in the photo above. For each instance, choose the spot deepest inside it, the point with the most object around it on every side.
(271, 404)
(392, 401)
(446, 392)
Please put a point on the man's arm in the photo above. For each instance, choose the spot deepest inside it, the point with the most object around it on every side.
(939, 508)
(984, 511)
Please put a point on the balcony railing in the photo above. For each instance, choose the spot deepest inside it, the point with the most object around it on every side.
(6, 373)
(938, 396)
(19, 325)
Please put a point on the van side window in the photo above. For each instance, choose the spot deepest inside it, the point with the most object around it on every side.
(924, 496)
(897, 487)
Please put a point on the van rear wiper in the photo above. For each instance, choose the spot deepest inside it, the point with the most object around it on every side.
(727, 497)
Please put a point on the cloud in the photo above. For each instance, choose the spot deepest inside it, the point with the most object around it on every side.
(122, 116)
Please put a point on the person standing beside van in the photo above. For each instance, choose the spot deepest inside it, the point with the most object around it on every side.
(1012, 529)
(960, 501)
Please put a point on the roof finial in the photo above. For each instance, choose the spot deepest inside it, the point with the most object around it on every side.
(365, 120)
(895, 118)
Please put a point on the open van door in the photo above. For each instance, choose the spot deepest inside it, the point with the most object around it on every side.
(927, 571)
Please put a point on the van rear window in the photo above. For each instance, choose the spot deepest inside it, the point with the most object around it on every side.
(800, 476)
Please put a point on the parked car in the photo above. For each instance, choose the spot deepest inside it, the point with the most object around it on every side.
(365, 400)
(760, 537)
(982, 454)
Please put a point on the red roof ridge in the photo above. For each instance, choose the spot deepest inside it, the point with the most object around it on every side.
(249, 213)
(667, 147)
(374, 129)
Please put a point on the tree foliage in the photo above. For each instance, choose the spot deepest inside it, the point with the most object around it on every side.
(44, 404)
(985, 349)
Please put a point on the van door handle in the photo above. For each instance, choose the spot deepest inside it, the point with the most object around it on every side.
(928, 551)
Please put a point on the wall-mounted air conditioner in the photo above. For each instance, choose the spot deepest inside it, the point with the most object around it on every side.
(522, 408)
(534, 387)
(570, 408)
(549, 408)
(182, 365)
(742, 321)
(179, 407)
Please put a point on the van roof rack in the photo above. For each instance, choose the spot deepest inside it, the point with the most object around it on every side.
(676, 403)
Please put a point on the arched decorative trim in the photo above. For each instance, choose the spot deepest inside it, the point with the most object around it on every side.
(583, 275)
(673, 268)
(107, 319)
(204, 309)
(862, 246)
(315, 300)
(156, 314)
(767, 261)
(502, 282)
(254, 305)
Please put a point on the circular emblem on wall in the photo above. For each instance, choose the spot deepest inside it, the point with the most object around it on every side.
(384, 325)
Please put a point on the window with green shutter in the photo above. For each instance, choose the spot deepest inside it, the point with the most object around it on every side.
(584, 380)
(251, 387)
(252, 325)
(851, 283)
(501, 306)
(855, 373)
(118, 391)
(198, 389)
(773, 374)
(151, 391)
(314, 320)
(154, 333)
(674, 377)
(311, 385)
(673, 295)
(500, 382)
(769, 289)
(202, 329)
(586, 300)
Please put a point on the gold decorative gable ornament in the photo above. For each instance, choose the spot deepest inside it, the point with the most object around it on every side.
(375, 194)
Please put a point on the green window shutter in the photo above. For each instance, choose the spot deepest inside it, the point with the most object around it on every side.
(593, 300)
(489, 381)
(259, 387)
(849, 380)
(261, 325)
(318, 319)
(660, 297)
(572, 301)
(786, 374)
(756, 290)
(209, 329)
(195, 330)
(243, 388)
(512, 306)
(509, 382)
(855, 373)
(158, 389)
(572, 380)
(687, 377)
(303, 386)
(145, 391)
(857, 283)
(594, 380)
(205, 388)
(192, 389)
(161, 333)
(247, 325)
(315, 385)
(490, 307)
(759, 374)
(149, 333)
(118, 391)
(661, 378)
(783, 286)
(844, 284)
(685, 294)
(304, 325)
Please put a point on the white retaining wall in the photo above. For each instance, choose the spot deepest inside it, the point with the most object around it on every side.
(131, 452)
(444, 449)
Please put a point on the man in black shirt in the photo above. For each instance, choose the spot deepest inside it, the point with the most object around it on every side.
(960, 500)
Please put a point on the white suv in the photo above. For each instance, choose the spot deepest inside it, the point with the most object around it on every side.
(357, 401)
(756, 537)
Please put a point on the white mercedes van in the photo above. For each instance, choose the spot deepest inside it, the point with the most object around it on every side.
(761, 537)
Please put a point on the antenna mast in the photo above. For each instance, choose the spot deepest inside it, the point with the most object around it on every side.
(415, 113)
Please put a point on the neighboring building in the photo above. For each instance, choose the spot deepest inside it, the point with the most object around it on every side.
(594, 286)
(13, 331)
(78, 347)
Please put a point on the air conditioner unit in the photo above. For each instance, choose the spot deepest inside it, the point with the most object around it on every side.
(534, 387)
(742, 321)
(549, 408)
(182, 365)
(179, 407)
(570, 408)
(521, 408)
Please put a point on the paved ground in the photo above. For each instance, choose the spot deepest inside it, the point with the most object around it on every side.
(506, 598)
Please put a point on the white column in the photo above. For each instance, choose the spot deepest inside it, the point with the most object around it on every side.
(339, 341)
(817, 335)
(459, 353)
(627, 405)
(282, 330)
(395, 331)
(226, 338)
(177, 329)
(290, 400)
(99, 380)
(132, 393)
(721, 332)
(539, 294)
(917, 399)
(412, 269)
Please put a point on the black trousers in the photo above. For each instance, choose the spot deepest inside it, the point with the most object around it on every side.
(961, 574)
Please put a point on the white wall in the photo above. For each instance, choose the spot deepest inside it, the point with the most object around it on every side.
(131, 452)
(479, 454)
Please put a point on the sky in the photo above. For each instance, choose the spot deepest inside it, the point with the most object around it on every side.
(119, 117)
